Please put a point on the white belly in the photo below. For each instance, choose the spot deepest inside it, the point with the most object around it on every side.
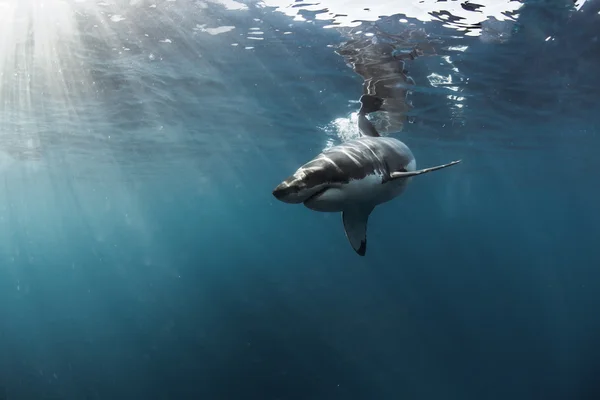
(368, 191)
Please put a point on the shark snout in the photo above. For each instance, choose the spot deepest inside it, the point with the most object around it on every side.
(279, 192)
(286, 193)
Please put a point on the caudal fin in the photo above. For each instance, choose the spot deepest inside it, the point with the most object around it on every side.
(406, 174)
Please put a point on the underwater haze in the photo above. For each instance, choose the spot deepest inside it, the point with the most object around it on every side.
(144, 256)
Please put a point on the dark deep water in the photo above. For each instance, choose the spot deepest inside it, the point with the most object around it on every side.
(142, 255)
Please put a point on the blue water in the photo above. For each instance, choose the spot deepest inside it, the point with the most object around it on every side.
(143, 256)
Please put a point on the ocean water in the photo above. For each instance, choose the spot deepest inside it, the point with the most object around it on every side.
(143, 255)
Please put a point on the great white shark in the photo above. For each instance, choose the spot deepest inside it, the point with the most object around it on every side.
(355, 176)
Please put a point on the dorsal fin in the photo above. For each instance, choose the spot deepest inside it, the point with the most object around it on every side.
(406, 174)
(366, 127)
(368, 104)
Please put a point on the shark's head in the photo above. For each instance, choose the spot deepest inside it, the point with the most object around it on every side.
(305, 184)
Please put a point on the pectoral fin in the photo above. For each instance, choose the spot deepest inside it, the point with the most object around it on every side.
(406, 174)
(355, 224)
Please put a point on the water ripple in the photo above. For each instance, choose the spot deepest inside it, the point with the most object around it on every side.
(141, 81)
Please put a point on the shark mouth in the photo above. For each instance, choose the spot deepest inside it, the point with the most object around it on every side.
(317, 194)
